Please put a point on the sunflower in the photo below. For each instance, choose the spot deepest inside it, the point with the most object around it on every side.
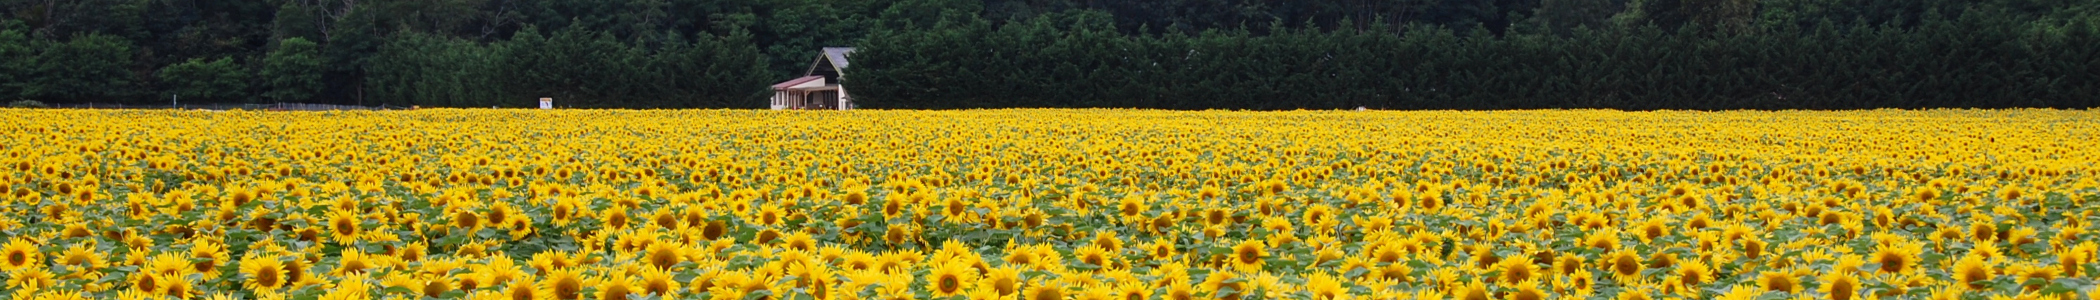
(616, 218)
(564, 210)
(524, 289)
(84, 258)
(1248, 254)
(858, 261)
(769, 216)
(1528, 290)
(1971, 270)
(714, 230)
(949, 279)
(1320, 218)
(1131, 207)
(1108, 241)
(1781, 281)
(955, 210)
(1896, 257)
(768, 235)
(473, 280)
(664, 254)
(1159, 250)
(855, 196)
(433, 285)
(1517, 270)
(564, 283)
(262, 272)
(2032, 272)
(616, 286)
(1226, 285)
(298, 273)
(1324, 287)
(1400, 272)
(1692, 273)
(1840, 286)
(1093, 255)
(1005, 280)
(352, 260)
(799, 240)
(658, 282)
(20, 254)
(178, 288)
(30, 279)
(1623, 263)
(343, 227)
(1179, 290)
(207, 256)
(893, 208)
(466, 219)
(1044, 291)
(1469, 291)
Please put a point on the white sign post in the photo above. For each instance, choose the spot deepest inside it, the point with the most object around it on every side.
(546, 103)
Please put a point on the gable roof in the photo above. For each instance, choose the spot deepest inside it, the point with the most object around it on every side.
(838, 55)
(834, 55)
(784, 85)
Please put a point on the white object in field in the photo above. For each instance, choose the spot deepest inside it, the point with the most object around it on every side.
(546, 103)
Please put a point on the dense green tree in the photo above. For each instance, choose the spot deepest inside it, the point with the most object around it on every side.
(1730, 16)
(292, 72)
(577, 67)
(207, 80)
(1564, 16)
(433, 70)
(15, 59)
(83, 69)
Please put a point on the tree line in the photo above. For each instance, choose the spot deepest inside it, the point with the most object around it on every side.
(1182, 54)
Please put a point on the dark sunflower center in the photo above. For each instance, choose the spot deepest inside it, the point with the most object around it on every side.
(1892, 262)
(566, 288)
(266, 277)
(713, 230)
(520, 292)
(1003, 286)
(345, 226)
(615, 292)
(468, 219)
(1782, 284)
(147, 282)
(950, 284)
(658, 287)
(1625, 265)
(205, 266)
(1050, 294)
(663, 257)
(1249, 255)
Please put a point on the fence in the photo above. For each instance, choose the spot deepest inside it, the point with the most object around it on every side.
(222, 106)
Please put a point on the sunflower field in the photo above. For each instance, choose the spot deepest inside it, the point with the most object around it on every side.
(1048, 204)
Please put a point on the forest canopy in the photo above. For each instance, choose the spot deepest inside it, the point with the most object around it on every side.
(1181, 54)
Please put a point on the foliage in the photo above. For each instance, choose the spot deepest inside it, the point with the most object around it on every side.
(207, 80)
(1967, 62)
(575, 67)
(292, 71)
(86, 68)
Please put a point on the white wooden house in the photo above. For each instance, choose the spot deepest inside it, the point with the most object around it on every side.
(819, 87)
